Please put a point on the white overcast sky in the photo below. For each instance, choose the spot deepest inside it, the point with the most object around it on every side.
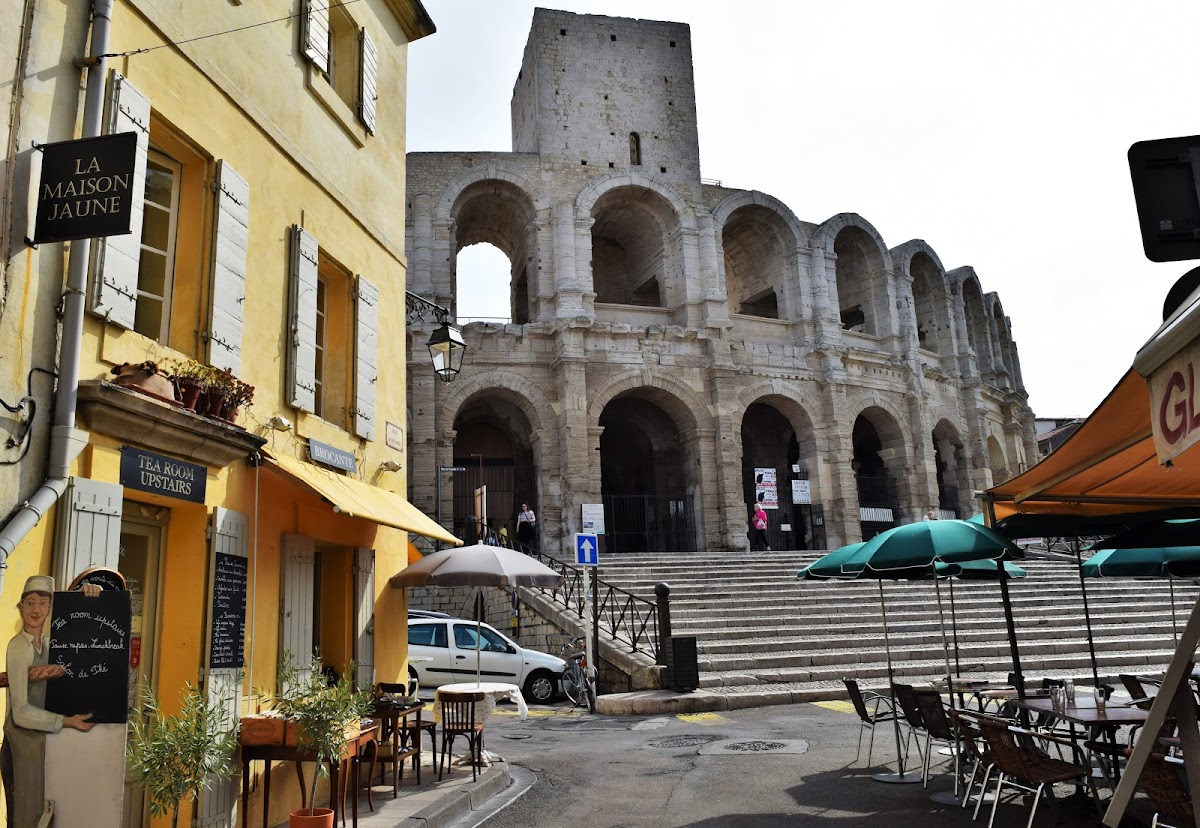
(996, 132)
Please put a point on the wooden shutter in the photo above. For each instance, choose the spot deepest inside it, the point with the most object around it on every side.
(302, 355)
(296, 603)
(231, 241)
(364, 617)
(316, 33)
(368, 76)
(366, 348)
(115, 258)
(89, 528)
(223, 686)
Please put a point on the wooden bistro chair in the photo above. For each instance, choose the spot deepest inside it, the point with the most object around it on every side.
(1166, 792)
(1020, 765)
(867, 704)
(459, 719)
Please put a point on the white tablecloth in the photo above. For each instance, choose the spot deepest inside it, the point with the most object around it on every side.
(494, 690)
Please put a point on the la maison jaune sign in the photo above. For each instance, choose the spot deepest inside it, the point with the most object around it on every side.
(86, 188)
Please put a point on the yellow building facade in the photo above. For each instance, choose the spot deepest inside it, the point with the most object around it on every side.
(270, 167)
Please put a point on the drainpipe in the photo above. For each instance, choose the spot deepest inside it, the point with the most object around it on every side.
(66, 441)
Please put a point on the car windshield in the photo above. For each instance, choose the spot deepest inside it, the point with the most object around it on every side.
(464, 639)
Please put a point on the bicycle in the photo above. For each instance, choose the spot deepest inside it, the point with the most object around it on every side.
(578, 684)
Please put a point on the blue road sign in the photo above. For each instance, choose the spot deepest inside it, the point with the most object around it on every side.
(587, 549)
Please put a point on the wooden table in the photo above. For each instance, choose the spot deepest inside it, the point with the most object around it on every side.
(292, 753)
(1084, 712)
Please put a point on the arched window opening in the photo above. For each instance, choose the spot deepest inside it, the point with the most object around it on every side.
(635, 149)
(484, 285)
(755, 262)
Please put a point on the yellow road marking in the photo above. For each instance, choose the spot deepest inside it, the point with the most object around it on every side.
(839, 706)
(700, 718)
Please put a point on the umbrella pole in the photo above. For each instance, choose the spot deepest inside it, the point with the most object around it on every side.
(887, 647)
(1087, 615)
(1174, 626)
(954, 629)
(945, 644)
(478, 636)
(1002, 577)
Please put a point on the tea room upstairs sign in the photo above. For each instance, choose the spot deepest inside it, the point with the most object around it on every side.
(86, 188)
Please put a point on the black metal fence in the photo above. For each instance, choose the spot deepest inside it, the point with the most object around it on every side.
(648, 523)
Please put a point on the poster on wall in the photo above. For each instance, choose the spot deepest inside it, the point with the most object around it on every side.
(801, 492)
(765, 490)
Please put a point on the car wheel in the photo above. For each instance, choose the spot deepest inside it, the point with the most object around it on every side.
(539, 687)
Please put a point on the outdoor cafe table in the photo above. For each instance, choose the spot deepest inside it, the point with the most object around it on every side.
(494, 690)
(1084, 712)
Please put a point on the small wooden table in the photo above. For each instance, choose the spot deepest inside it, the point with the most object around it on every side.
(392, 716)
(292, 753)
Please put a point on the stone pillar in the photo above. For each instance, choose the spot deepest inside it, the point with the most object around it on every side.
(579, 460)
(422, 433)
(824, 289)
(419, 278)
(834, 434)
(728, 508)
(567, 277)
(443, 266)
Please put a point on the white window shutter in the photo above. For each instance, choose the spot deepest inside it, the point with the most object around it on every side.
(368, 80)
(230, 242)
(366, 349)
(89, 528)
(115, 258)
(364, 617)
(223, 685)
(316, 33)
(296, 604)
(302, 353)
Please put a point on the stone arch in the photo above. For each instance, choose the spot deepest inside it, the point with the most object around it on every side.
(862, 272)
(997, 462)
(651, 464)
(953, 474)
(585, 202)
(1003, 336)
(525, 394)
(637, 248)
(448, 196)
(758, 236)
(927, 288)
(683, 404)
(880, 465)
(974, 316)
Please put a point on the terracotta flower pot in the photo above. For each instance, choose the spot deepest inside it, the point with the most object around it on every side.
(151, 383)
(189, 393)
(317, 818)
(211, 402)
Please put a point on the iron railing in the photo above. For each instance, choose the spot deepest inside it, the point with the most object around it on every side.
(622, 616)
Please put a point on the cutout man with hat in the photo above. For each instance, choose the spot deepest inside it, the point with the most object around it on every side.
(26, 721)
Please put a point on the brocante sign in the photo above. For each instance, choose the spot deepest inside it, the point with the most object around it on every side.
(86, 188)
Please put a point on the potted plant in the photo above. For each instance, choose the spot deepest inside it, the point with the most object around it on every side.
(144, 377)
(172, 758)
(191, 378)
(323, 716)
(239, 395)
(216, 387)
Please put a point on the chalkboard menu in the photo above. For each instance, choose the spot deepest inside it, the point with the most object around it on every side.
(228, 612)
(89, 637)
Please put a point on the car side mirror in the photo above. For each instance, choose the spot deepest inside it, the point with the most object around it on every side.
(511, 650)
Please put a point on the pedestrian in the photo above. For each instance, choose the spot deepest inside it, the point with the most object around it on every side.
(526, 521)
(758, 537)
(931, 514)
(26, 721)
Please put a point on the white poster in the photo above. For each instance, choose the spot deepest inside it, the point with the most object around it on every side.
(593, 518)
(765, 490)
(801, 492)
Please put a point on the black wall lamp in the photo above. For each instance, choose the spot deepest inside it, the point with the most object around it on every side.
(446, 344)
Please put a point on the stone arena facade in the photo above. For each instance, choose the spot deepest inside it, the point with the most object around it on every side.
(675, 344)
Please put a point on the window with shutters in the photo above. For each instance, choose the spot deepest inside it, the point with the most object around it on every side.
(343, 54)
(334, 322)
(342, 61)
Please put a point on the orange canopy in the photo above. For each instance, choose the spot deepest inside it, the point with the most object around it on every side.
(1105, 476)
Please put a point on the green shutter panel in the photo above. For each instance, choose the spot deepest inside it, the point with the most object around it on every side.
(316, 33)
(296, 604)
(368, 76)
(115, 258)
(231, 241)
(223, 685)
(366, 349)
(364, 618)
(89, 528)
(302, 351)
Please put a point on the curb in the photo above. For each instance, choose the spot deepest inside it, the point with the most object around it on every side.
(453, 807)
(650, 702)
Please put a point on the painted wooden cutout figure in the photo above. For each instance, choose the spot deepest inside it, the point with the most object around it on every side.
(26, 721)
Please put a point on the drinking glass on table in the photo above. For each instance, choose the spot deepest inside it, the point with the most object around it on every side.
(1099, 698)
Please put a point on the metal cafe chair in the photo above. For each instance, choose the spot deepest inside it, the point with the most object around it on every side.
(970, 740)
(905, 696)
(867, 704)
(937, 729)
(1162, 782)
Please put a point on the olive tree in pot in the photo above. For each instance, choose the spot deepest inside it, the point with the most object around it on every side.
(173, 757)
(323, 715)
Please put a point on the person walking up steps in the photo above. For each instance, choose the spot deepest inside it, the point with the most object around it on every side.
(758, 535)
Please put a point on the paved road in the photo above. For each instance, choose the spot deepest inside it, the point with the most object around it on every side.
(760, 768)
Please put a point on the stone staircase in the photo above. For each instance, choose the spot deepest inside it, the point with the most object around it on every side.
(759, 630)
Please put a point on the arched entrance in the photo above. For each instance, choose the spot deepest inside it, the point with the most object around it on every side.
(494, 222)
(777, 461)
(953, 482)
(644, 483)
(492, 449)
(878, 454)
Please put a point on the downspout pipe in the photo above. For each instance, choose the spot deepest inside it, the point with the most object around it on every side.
(66, 441)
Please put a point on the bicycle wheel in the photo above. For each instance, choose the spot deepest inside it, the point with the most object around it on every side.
(572, 684)
(589, 692)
